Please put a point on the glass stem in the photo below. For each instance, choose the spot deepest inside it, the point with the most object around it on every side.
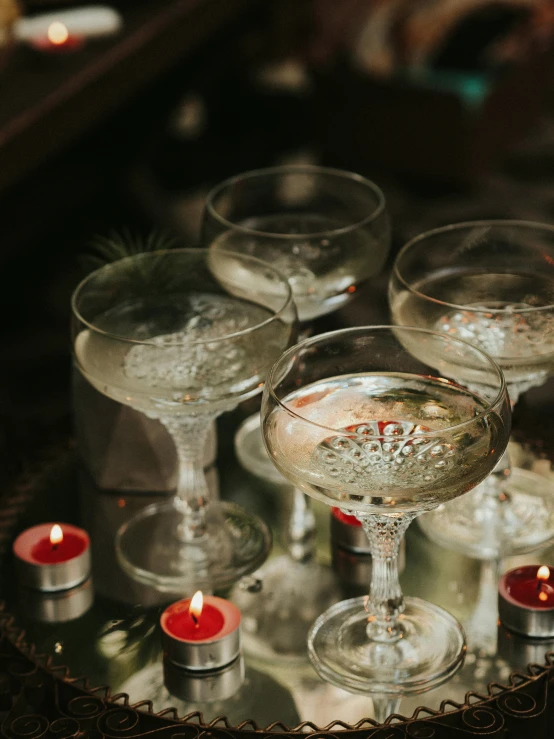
(384, 706)
(481, 627)
(496, 511)
(301, 528)
(385, 602)
(190, 435)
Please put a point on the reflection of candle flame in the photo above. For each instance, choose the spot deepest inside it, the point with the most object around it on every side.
(196, 605)
(56, 535)
(57, 33)
(543, 574)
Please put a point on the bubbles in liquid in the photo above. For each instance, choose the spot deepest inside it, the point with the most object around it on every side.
(509, 336)
(320, 266)
(387, 454)
(175, 359)
(502, 332)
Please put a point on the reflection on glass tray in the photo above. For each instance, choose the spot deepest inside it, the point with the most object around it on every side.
(117, 641)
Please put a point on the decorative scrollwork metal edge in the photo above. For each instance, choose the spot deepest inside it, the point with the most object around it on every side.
(13, 501)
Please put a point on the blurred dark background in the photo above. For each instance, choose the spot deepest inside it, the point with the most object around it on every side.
(449, 109)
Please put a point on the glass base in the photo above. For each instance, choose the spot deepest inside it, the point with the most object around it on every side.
(276, 619)
(252, 453)
(151, 549)
(430, 651)
(483, 527)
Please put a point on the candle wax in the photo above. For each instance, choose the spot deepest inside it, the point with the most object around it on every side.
(44, 552)
(524, 587)
(180, 623)
(345, 518)
(43, 43)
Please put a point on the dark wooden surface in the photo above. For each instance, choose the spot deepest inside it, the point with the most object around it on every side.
(48, 100)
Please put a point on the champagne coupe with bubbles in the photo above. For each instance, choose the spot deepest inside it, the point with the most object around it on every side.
(327, 231)
(492, 284)
(182, 336)
(369, 419)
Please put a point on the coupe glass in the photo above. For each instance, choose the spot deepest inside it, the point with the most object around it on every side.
(492, 284)
(183, 335)
(327, 231)
(369, 420)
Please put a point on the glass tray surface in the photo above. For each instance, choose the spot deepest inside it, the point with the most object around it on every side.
(116, 643)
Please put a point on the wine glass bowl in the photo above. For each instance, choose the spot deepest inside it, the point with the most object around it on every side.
(177, 335)
(492, 284)
(325, 229)
(373, 439)
(169, 331)
(488, 282)
(358, 421)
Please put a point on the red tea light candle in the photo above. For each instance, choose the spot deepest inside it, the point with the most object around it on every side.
(526, 601)
(57, 39)
(52, 557)
(66, 30)
(201, 633)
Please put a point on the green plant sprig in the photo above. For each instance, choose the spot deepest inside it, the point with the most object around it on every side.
(125, 243)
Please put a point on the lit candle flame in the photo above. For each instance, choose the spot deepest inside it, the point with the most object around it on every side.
(56, 535)
(543, 573)
(196, 605)
(57, 33)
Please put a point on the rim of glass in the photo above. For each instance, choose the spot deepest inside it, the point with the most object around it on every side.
(288, 298)
(459, 227)
(498, 400)
(296, 169)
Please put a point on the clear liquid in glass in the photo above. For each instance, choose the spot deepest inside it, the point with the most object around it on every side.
(394, 448)
(506, 315)
(190, 355)
(322, 267)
